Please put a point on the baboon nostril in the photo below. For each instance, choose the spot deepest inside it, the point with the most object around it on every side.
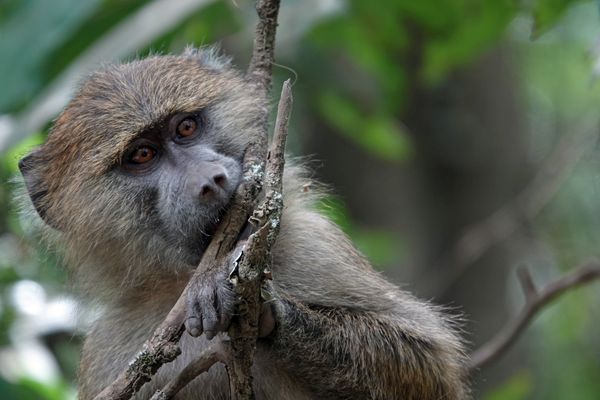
(206, 190)
(213, 186)
(220, 179)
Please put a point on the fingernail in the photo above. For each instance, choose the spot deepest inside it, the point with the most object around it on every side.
(194, 332)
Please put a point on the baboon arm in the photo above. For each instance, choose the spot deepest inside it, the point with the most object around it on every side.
(340, 353)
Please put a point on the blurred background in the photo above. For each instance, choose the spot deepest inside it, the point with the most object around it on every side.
(460, 138)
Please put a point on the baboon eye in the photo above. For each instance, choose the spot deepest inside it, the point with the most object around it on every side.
(142, 155)
(187, 127)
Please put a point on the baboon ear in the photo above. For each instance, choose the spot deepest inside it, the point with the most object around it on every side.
(30, 167)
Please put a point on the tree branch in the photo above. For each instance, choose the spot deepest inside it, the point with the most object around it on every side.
(263, 55)
(163, 347)
(201, 364)
(535, 300)
(255, 261)
(248, 277)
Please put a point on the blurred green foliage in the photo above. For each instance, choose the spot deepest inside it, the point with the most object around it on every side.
(546, 13)
(27, 389)
(379, 246)
(518, 387)
(30, 31)
(203, 27)
(379, 135)
(365, 62)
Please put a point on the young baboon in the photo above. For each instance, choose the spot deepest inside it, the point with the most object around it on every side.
(131, 183)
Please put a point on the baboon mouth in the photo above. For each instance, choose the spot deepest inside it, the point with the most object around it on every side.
(199, 242)
(211, 229)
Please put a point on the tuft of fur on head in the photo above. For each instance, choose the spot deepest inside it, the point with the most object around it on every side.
(210, 56)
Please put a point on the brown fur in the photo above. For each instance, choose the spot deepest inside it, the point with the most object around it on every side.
(343, 332)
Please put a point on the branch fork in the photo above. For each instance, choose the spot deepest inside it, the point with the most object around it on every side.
(535, 300)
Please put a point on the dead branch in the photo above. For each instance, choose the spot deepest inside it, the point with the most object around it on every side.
(201, 364)
(535, 300)
(163, 347)
(255, 261)
(247, 278)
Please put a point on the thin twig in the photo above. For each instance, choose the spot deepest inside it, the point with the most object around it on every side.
(526, 281)
(199, 365)
(535, 300)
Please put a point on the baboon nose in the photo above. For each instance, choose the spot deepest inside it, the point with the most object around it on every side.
(213, 186)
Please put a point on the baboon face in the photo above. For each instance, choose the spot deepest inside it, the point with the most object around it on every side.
(180, 181)
(146, 156)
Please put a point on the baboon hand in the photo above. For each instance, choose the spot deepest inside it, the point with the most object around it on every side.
(211, 303)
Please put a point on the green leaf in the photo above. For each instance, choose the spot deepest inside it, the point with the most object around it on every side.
(477, 26)
(546, 13)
